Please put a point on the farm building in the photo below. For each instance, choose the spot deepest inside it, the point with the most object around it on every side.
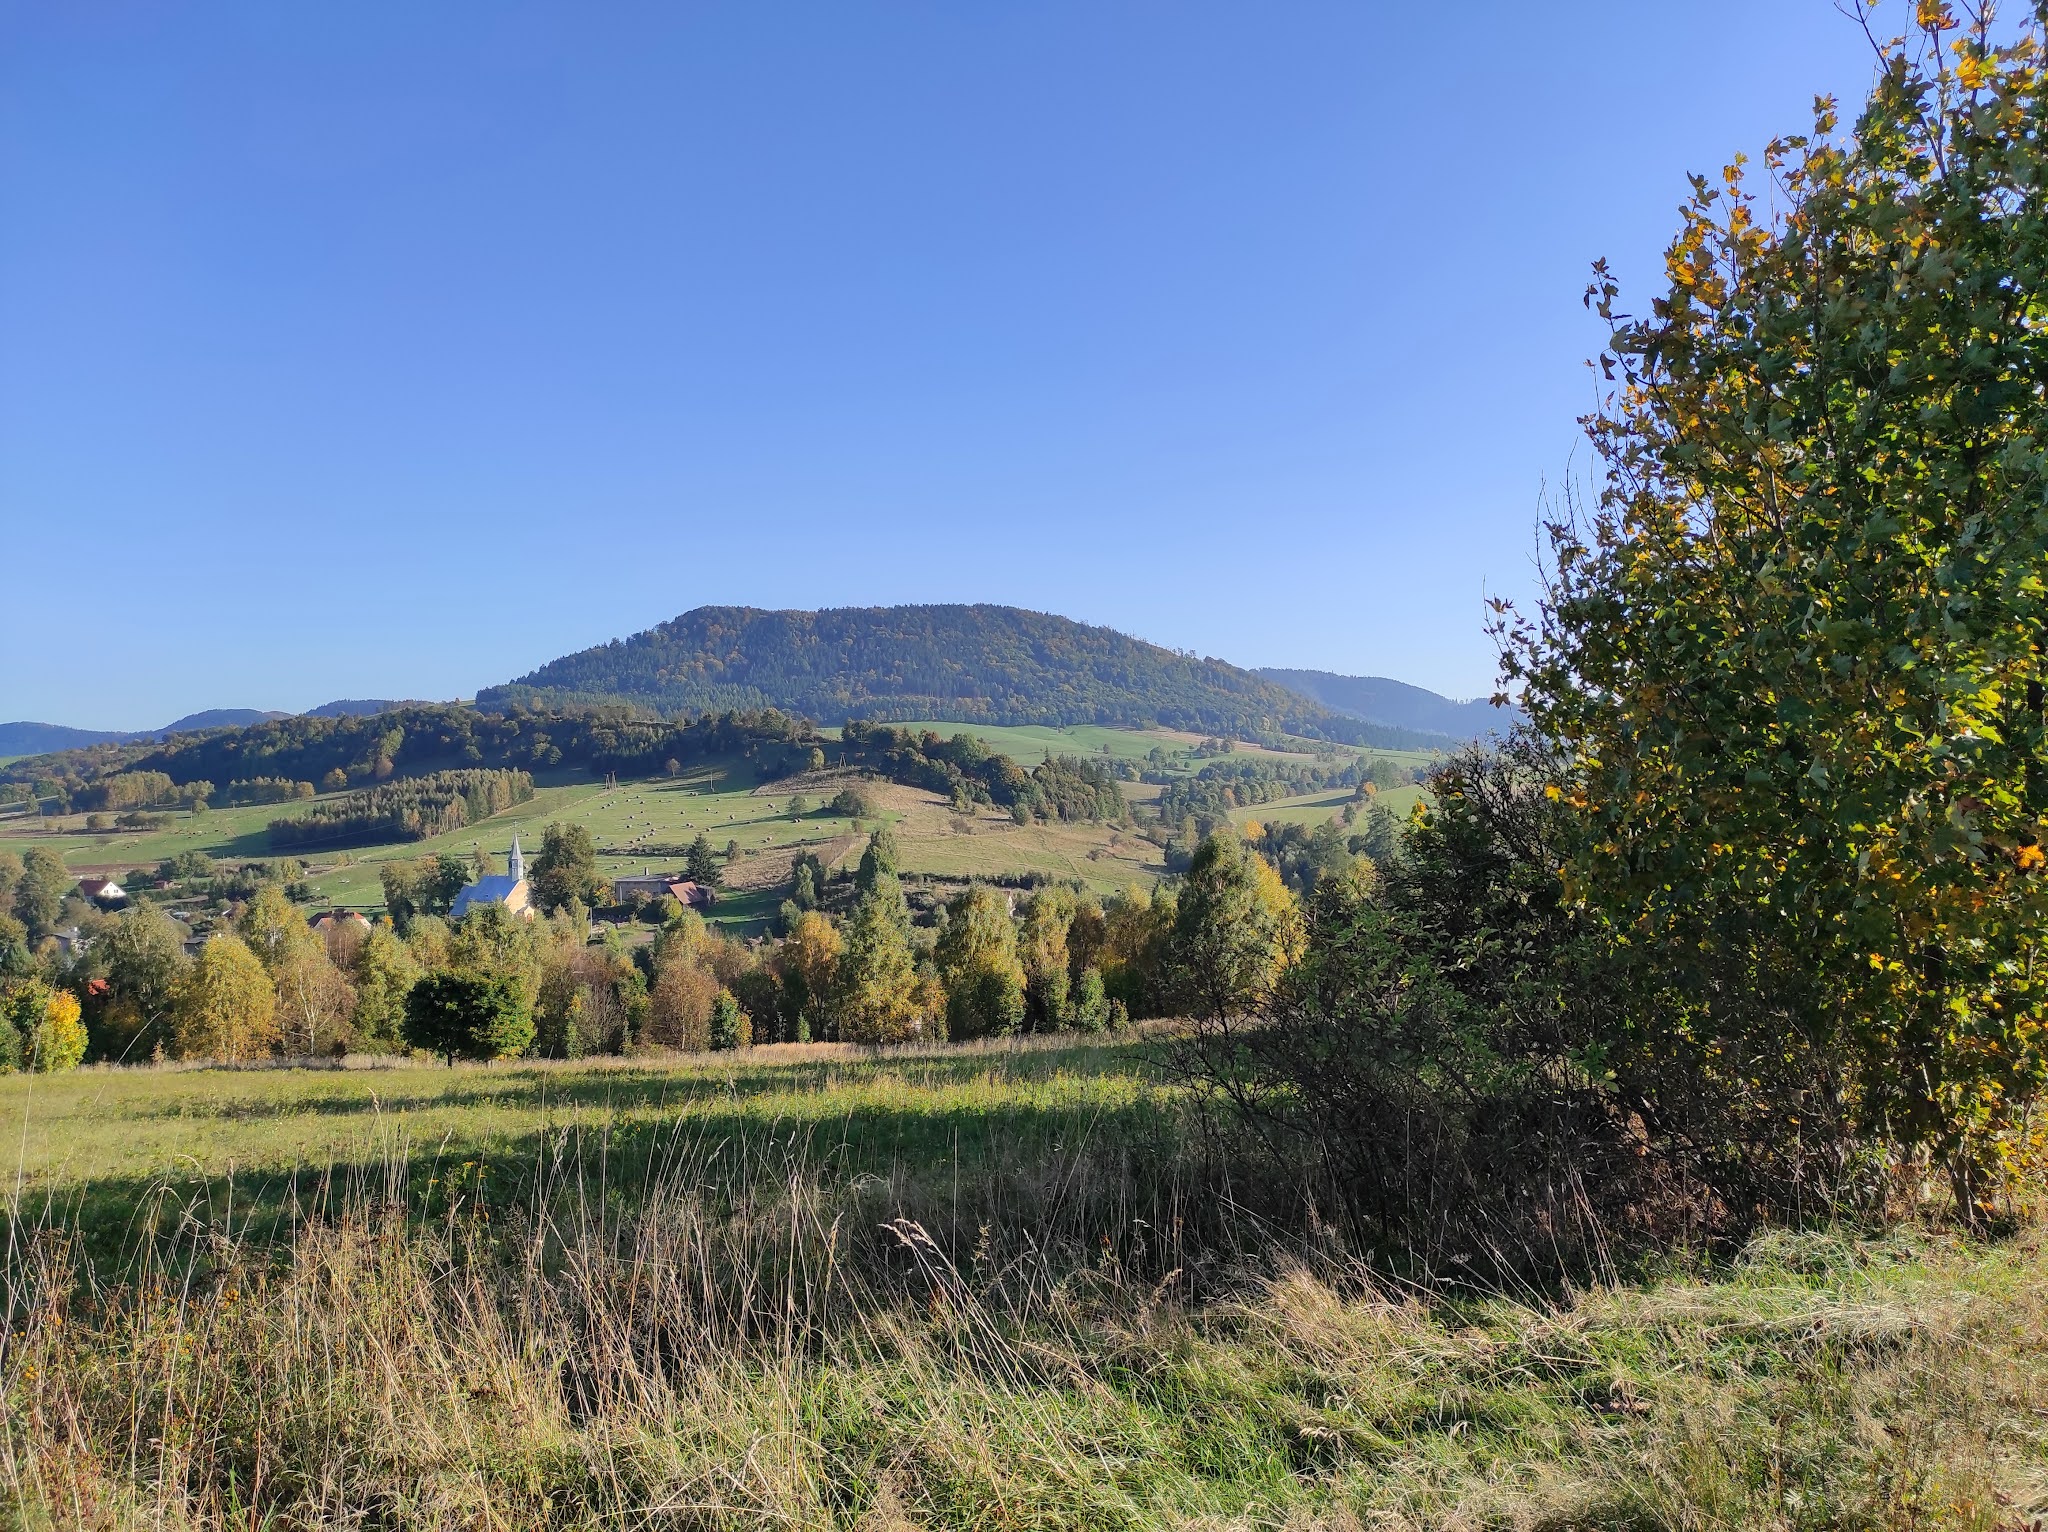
(329, 919)
(662, 885)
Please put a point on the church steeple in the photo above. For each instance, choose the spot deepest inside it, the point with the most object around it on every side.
(515, 864)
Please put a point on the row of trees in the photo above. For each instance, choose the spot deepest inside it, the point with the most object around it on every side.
(968, 769)
(1212, 792)
(988, 964)
(412, 808)
(155, 789)
(337, 752)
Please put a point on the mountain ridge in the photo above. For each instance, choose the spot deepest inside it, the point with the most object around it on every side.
(1383, 700)
(26, 737)
(962, 662)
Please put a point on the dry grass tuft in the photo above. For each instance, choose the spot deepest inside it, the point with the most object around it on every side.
(739, 1336)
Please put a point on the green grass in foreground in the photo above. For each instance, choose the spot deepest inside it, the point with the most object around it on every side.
(92, 1146)
(951, 1288)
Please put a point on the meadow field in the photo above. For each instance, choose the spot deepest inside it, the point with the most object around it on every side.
(648, 824)
(1312, 809)
(992, 1288)
(1031, 743)
(630, 823)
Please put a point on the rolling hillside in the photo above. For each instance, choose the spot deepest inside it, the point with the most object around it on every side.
(969, 664)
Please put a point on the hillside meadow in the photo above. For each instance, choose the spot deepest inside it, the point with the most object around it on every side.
(1028, 744)
(975, 1287)
(648, 824)
(1312, 809)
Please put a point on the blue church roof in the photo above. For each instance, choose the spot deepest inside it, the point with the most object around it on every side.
(492, 890)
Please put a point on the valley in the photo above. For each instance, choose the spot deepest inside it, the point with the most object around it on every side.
(649, 1057)
(649, 822)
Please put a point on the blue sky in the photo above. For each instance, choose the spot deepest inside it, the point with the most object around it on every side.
(387, 350)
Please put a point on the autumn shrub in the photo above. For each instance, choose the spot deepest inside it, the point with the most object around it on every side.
(1746, 927)
(58, 1040)
(1418, 1075)
(1792, 654)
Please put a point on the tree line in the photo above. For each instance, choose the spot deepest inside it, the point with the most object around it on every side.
(968, 770)
(987, 963)
(337, 752)
(410, 808)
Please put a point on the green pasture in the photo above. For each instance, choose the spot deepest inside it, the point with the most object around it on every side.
(228, 834)
(632, 825)
(637, 825)
(1088, 852)
(1028, 744)
(93, 1143)
(979, 1288)
(1312, 809)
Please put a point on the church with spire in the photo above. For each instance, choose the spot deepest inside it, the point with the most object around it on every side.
(510, 889)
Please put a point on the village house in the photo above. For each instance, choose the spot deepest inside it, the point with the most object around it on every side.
(329, 919)
(662, 885)
(104, 892)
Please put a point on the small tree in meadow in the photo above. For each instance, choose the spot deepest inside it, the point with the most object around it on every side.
(459, 1015)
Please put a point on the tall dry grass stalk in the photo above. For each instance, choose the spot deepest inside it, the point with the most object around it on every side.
(697, 1344)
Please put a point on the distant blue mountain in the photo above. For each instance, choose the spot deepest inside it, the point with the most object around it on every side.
(359, 707)
(42, 738)
(217, 718)
(1396, 704)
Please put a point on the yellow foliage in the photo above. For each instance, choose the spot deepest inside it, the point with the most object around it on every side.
(226, 1007)
(59, 1042)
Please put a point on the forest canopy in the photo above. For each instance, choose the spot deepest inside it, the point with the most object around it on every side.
(975, 664)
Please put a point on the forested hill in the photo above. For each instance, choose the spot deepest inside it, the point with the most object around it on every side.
(969, 664)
